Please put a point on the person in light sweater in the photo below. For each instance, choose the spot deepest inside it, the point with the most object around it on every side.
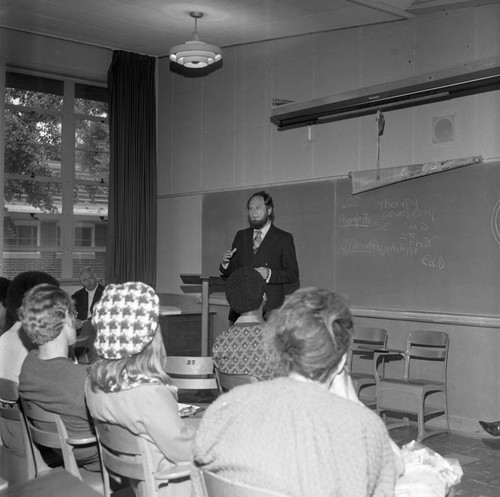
(128, 385)
(294, 434)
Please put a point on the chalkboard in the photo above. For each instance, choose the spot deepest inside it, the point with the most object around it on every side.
(428, 244)
(305, 210)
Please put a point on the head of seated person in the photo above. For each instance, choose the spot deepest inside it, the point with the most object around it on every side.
(48, 317)
(128, 341)
(292, 434)
(245, 291)
(18, 288)
(311, 333)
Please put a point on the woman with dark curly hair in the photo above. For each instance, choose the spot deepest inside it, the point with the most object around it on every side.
(295, 435)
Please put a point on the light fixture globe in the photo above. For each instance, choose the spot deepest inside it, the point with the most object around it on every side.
(195, 53)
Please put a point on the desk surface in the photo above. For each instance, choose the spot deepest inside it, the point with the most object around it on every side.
(56, 483)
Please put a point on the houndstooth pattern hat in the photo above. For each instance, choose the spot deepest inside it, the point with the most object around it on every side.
(126, 318)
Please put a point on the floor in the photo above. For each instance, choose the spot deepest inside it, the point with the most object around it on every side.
(479, 458)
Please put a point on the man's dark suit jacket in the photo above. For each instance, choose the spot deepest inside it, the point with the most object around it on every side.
(277, 252)
(82, 301)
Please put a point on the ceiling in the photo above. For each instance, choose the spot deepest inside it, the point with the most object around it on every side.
(151, 27)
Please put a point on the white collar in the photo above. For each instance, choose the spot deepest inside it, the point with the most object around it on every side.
(264, 229)
(247, 319)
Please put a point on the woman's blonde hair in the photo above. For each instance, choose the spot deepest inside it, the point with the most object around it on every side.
(108, 374)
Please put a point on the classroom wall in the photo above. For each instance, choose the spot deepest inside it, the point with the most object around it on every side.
(215, 135)
(222, 138)
(53, 56)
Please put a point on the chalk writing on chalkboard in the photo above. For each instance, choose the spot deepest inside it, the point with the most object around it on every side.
(392, 227)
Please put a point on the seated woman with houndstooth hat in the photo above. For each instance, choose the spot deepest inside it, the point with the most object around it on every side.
(128, 386)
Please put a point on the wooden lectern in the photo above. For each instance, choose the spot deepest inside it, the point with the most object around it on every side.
(205, 282)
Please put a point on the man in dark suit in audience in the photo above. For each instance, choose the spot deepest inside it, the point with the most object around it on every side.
(268, 249)
(88, 296)
(85, 299)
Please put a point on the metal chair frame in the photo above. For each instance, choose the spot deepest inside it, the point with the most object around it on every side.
(425, 351)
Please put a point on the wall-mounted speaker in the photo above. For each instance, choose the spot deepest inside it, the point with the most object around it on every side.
(443, 129)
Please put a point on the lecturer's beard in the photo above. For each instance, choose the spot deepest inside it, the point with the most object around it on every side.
(258, 224)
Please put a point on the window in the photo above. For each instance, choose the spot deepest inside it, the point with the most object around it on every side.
(21, 234)
(56, 164)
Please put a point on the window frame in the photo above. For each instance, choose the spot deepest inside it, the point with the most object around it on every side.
(67, 251)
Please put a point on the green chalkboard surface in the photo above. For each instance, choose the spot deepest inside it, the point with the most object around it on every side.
(429, 244)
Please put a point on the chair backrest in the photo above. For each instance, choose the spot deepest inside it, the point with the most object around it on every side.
(426, 346)
(191, 373)
(15, 425)
(227, 381)
(218, 486)
(128, 455)
(48, 430)
(365, 340)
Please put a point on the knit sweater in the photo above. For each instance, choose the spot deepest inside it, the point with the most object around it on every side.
(151, 412)
(296, 438)
(240, 350)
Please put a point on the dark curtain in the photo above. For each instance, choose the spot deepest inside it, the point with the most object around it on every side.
(131, 248)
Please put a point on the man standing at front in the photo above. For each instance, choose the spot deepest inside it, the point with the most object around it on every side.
(268, 249)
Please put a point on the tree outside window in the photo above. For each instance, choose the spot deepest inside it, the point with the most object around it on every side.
(56, 172)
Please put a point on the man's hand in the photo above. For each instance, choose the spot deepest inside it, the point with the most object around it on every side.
(227, 256)
(263, 271)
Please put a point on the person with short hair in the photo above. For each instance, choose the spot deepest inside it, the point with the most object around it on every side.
(268, 249)
(85, 300)
(128, 385)
(87, 297)
(48, 377)
(294, 435)
(241, 348)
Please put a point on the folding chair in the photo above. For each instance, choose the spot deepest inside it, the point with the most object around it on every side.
(47, 430)
(424, 377)
(127, 455)
(360, 359)
(226, 381)
(218, 486)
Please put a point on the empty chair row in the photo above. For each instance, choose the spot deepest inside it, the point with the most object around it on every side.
(418, 386)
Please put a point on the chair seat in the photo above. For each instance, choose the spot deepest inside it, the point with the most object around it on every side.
(406, 385)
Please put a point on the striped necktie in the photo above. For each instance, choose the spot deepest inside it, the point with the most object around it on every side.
(257, 240)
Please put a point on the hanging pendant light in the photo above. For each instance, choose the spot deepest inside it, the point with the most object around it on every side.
(195, 53)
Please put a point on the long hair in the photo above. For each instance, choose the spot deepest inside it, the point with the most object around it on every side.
(108, 375)
(311, 332)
